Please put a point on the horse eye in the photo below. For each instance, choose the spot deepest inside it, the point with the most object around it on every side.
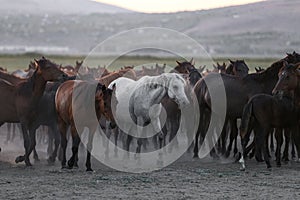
(175, 87)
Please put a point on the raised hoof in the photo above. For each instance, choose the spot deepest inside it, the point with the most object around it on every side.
(20, 159)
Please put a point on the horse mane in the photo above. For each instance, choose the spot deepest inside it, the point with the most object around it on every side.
(270, 72)
(106, 80)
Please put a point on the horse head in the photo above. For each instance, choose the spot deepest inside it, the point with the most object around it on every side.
(288, 80)
(104, 98)
(237, 68)
(184, 67)
(176, 88)
(49, 70)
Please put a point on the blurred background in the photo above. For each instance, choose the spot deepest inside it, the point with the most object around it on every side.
(72, 28)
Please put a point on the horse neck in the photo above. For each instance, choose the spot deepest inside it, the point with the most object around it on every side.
(37, 86)
(163, 82)
(268, 78)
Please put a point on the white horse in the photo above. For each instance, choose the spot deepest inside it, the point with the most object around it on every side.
(138, 109)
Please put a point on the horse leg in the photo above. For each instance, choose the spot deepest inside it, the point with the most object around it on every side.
(279, 142)
(54, 132)
(89, 150)
(116, 136)
(75, 146)
(32, 145)
(223, 138)
(200, 133)
(265, 147)
(35, 155)
(287, 135)
(233, 136)
(272, 140)
(258, 145)
(293, 148)
(128, 142)
(26, 147)
(63, 141)
(8, 138)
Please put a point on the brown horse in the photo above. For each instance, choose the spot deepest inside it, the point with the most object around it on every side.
(18, 103)
(238, 92)
(68, 102)
(289, 81)
(264, 112)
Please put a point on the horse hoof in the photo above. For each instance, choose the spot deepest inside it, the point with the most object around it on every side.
(63, 167)
(28, 164)
(278, 164)
(195, 156)
(70, 164)
(36, 159)
(51, 159)
(269, 166)
(89, 170)
(20, 159)
(242, 169)
(227, 154)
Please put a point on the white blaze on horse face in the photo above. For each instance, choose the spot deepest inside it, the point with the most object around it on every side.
(176, 90)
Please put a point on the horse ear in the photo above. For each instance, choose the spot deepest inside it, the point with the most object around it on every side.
(179, 63)
(192, 61)
(36, 63)
(232, 62)
(288, 54)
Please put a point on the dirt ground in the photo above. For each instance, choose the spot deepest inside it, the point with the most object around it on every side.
(185, 179)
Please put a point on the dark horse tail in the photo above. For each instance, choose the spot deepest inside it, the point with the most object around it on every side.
(246, 122)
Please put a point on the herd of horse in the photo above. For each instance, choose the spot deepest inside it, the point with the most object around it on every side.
(128, 103)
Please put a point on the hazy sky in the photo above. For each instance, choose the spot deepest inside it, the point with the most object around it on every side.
(173, 5)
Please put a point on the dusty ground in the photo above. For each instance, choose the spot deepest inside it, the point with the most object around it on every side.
(185, 179)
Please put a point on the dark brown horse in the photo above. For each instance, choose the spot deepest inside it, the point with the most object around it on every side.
(289, 81)
(68, 102)
(18, 103)
(238, 92)
(264, 112)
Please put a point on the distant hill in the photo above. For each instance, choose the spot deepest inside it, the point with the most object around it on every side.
(268, 28)
(57, 7)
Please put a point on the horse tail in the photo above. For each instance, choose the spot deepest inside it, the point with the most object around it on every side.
(246, 119)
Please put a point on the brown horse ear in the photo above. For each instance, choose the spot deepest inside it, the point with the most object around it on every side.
(36, 63)
(179, 63)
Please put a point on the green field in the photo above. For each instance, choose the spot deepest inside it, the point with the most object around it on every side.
(13, 62)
